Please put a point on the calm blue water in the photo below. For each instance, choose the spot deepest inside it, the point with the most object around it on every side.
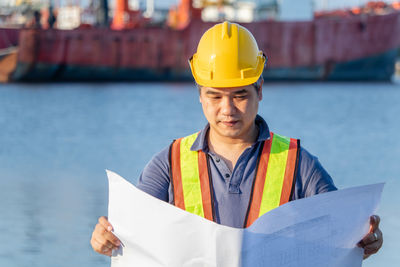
(57, 139)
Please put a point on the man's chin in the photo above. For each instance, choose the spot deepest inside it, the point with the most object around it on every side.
(230, 133)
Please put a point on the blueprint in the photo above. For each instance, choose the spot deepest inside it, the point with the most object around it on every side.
(322, 230)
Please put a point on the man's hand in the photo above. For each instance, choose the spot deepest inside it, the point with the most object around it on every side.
(373, 241)
(103, 240)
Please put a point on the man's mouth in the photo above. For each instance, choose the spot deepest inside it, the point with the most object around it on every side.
(230, 123)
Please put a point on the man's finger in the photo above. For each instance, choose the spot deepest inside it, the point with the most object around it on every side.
(99, 229)
(106, 251)
(374, 221)
(112, 239)
(104, 242)
(369, 239)
(105, 223)
(374, 233)
(371, 249)
(95, 245)
(371, 243)
(98, 247)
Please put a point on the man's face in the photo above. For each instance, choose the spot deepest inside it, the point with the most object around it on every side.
(230, 111)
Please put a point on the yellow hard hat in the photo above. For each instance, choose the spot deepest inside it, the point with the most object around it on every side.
(227, 56)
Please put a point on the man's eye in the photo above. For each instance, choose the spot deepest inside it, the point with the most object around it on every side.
(240, 96)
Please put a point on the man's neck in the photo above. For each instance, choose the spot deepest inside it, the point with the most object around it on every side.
(230, 149)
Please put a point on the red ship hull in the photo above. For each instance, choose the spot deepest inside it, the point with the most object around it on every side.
(351, 48)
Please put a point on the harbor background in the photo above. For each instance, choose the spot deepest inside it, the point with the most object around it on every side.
(57, 139)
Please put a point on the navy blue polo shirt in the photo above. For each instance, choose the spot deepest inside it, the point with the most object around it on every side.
(232, 188)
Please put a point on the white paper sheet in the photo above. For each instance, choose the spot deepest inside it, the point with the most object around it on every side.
(322, 230)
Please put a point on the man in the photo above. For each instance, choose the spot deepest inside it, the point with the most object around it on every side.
(235, 169)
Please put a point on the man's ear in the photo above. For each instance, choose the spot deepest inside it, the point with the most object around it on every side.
(260, 90)
(199, 88)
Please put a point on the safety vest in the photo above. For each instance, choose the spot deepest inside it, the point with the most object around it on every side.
(272, 186)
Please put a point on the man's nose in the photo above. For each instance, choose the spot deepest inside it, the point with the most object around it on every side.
(227, 106)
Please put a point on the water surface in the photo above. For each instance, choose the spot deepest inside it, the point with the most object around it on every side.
(57, 139)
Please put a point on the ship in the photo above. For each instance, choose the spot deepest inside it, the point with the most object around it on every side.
(350, 45)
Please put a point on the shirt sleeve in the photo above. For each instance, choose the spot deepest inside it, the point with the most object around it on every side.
(154, 179)
(311, 178)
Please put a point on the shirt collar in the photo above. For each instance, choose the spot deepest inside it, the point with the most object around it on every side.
(201, 141)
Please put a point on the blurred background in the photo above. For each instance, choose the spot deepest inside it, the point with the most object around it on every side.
(94, 85)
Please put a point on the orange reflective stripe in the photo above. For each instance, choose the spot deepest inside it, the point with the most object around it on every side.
(258, 185)
(290, 172)
(205, 187)
(176, 178)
